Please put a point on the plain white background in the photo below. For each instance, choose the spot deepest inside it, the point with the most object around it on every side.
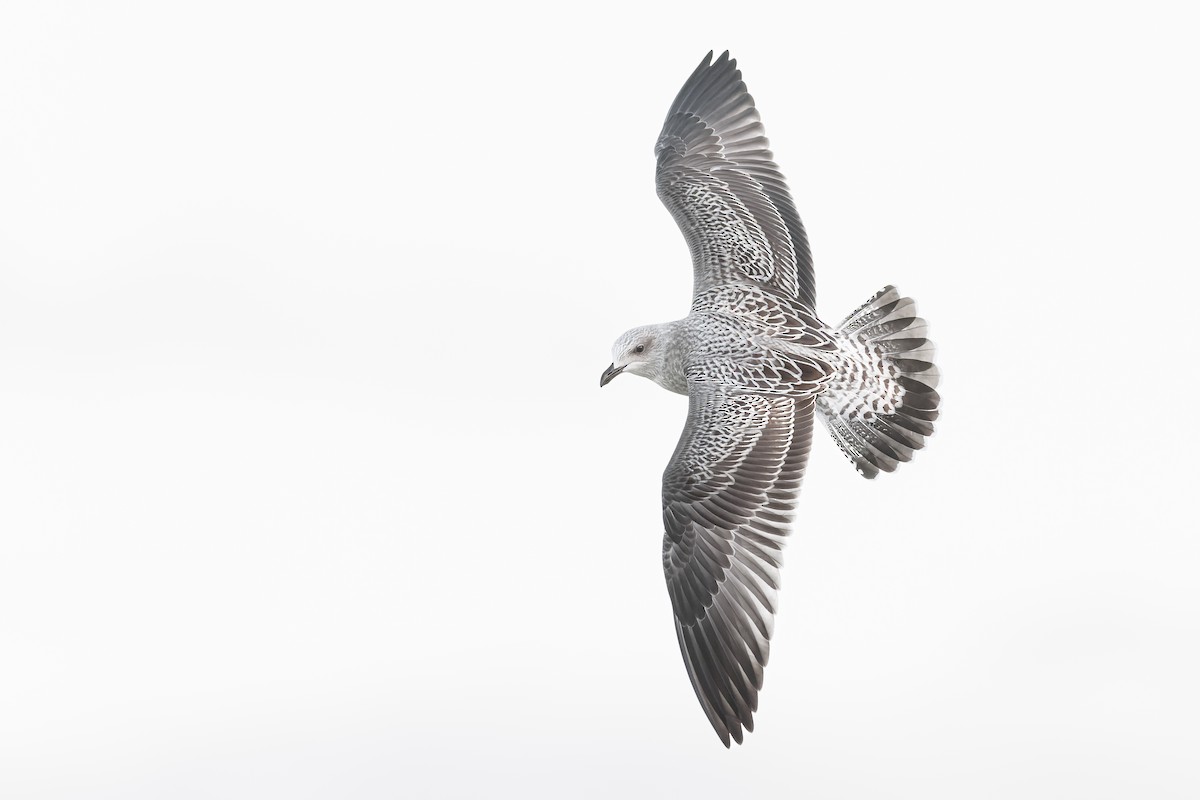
(307, 488)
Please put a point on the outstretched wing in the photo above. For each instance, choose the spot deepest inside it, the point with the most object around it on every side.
(720, 182)
(728, 496)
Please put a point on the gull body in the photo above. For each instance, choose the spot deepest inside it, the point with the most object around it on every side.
(757, 365)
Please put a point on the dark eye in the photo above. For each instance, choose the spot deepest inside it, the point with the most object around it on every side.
(641, 348)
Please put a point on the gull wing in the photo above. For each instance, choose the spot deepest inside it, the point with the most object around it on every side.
(718, 178)
(728, 496)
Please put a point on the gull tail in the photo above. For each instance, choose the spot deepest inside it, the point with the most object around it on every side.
(881, 403)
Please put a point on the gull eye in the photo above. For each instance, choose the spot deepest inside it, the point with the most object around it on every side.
(641, 348)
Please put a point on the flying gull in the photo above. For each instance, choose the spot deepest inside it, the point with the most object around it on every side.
(757, 365)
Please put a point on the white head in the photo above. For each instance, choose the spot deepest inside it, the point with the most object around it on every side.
(641, 351)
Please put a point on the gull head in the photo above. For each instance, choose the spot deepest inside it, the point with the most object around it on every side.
(638, 351)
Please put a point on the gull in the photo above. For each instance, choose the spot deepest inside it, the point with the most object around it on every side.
(757, 365)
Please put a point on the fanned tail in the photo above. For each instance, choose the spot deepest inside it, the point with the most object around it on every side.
(881, 404)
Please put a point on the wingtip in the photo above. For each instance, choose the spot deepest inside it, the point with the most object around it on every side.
(721, 59)
(724, 64)
(723, 735)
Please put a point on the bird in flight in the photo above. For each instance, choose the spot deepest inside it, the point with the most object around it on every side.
(757, 365)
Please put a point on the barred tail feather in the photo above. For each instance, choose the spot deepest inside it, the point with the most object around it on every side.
(881, 404)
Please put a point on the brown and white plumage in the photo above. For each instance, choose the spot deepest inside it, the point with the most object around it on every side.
(756, 363)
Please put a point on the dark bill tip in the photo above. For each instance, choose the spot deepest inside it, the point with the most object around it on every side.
(609, 374)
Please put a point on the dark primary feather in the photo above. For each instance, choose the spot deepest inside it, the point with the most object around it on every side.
(719, 180)
(728, 495)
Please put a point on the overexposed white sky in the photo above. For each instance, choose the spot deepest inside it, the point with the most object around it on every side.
(307, 488)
